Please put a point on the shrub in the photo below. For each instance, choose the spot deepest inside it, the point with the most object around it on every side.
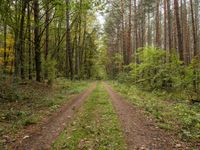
(153, 72)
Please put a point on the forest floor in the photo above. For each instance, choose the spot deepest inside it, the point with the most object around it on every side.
(26, 105)
(99, 118)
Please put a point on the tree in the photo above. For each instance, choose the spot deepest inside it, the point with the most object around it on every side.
(178, 28)
(68, 42)
(37, 40)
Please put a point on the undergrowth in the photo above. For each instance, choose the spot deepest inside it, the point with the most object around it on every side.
(170, 111)
(25, 103)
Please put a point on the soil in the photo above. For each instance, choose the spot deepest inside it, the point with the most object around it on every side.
(140, 131)
(43, 136)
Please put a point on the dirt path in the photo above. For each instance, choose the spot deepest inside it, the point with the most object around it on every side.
(44, 136)
(140, 131)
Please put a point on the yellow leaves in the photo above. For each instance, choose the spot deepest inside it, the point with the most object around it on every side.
(1, 61)
(9, 52)
(9, 41)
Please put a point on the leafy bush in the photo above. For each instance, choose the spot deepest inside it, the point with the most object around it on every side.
(153, 72)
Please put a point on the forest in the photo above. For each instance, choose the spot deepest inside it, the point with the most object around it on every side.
(100, 74)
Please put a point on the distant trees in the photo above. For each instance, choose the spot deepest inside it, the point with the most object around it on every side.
(168, 24)
(48, 35)
(172, 25)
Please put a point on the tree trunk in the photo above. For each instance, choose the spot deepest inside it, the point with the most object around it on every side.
(135, 25)
(29, 43)
(129, 46)
(165, 24)
(47, 31)
(158, 37)
(186, 34)
(5, 46)
(123, 34)
(169, 25)
(68, 41)
(37, 41)
(178, 28)
(194, 30)
(22, 38)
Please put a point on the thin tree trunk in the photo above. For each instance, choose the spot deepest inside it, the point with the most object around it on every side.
(37, 41)
(158, 44)
(129, 47)
(5, 46)
(22, 38)
(68, 41)
(47, 31)
(123, 33)
(169, 25)
(135, 25)
(165, 24)
(29, 43)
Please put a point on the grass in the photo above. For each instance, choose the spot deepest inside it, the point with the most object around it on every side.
(24, 104)
(96, 126)
(178, 116)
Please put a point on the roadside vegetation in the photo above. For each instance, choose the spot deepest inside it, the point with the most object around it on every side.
(96, 126)
(26, 103)
(171, 112)
(167, 89)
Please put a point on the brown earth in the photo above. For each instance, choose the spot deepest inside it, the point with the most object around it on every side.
(140, 131)
(43, 136)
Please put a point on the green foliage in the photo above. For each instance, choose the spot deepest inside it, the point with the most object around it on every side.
(178, 116)
(153, 72)
(26, 103)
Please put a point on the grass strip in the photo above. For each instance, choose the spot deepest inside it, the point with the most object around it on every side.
(96, 126)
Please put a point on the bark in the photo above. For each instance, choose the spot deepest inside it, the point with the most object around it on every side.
(178, 28)
(194, 30)
(68, 42)
(47, 30)
(158, 37)
(135, 25)
(123, 33)
(169, 25)
(165, 24)
(37, 41)
(5, 46)
(129, 46)
(29, 42)
(22, 38)
(186, 34)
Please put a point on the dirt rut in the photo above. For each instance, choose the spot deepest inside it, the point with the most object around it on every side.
(43, 137)
(140, 131)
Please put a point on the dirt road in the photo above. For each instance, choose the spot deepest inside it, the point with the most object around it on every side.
(46, 134)
(140, 131)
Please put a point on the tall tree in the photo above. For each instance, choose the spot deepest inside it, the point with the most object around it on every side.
(37, 40)
(129, 46)
(68, 42)
(22, 38)
(169, 24)
(178, 28)
(194, 29)
(29, 41)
